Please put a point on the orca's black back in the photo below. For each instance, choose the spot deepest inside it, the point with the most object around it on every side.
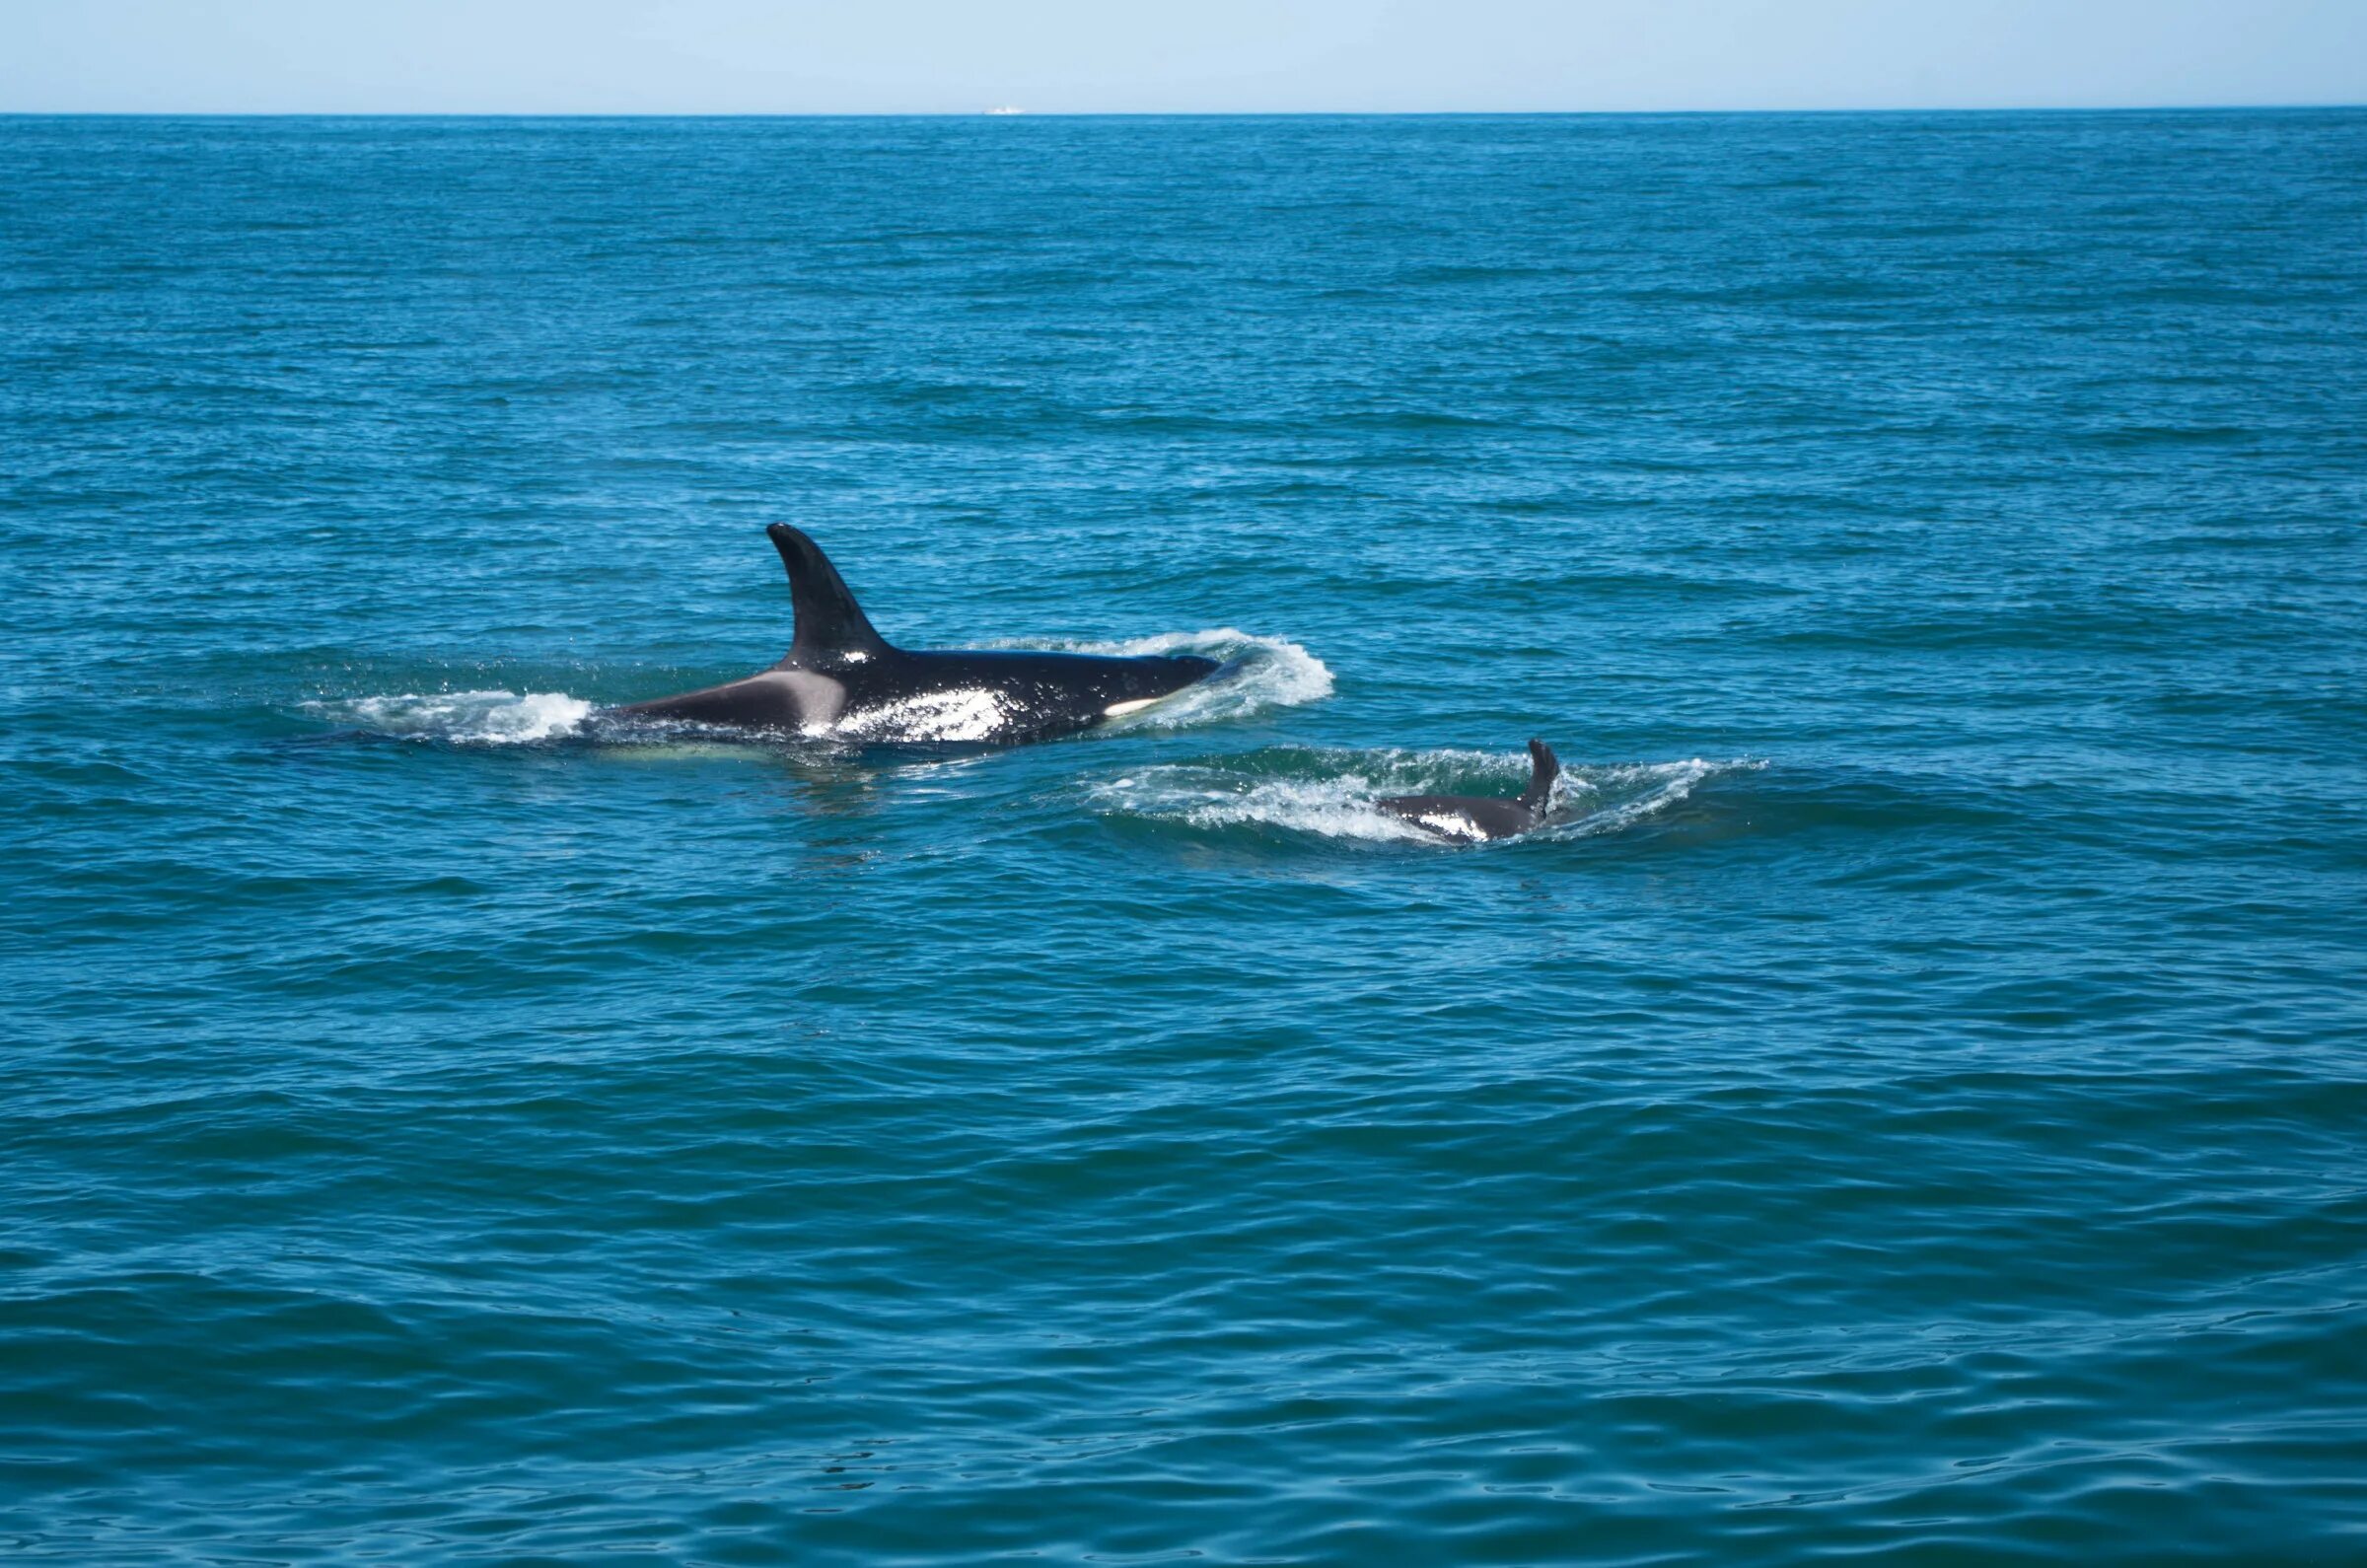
(1494, 817)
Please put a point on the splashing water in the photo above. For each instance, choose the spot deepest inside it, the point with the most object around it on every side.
(478, 718)
(1605, 800)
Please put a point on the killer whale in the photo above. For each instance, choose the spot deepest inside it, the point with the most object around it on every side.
(841, 678)
(1477, 816)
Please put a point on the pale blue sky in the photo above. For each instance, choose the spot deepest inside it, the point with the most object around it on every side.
(860, 57)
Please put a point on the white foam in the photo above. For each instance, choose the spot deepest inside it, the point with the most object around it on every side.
(479, 718)
(1634, 792)
(1210, 796)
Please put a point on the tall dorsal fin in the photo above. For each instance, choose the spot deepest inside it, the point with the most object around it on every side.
(1544, 768)
(830, 627)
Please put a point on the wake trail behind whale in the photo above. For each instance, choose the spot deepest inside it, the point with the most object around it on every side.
(466, 718)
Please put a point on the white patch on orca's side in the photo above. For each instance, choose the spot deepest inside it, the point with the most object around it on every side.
(969, 713)
(1452, 824)
(1119, 710)
(819, 699)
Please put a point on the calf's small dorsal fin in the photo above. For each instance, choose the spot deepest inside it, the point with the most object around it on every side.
(1544, 768)
(830, 627)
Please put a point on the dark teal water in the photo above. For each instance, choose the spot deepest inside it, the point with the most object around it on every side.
(1911, 1111)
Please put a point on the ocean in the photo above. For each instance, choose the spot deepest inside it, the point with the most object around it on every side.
(1910, 1107)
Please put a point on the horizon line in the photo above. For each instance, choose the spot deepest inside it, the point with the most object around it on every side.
(1187, 113)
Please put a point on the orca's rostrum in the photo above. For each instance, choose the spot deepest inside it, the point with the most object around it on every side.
(842, 680)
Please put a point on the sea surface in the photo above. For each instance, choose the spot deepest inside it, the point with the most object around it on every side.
(1909, 1108)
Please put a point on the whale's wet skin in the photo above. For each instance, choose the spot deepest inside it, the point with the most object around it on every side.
(1901, 1106)
(1475, 819)
(842, 679)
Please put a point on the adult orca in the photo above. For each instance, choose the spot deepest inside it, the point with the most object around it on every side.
(842, 678)
(1477, 816)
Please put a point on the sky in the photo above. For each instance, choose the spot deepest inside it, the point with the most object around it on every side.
(1168, 56)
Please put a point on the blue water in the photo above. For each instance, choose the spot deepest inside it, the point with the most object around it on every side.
(1912, 1110)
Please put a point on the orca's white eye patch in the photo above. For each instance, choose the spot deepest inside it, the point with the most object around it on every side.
(1120, 709)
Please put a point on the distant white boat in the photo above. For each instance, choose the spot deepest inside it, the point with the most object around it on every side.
(1006, 110)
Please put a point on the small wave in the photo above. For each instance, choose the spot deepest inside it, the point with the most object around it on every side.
(1332, 794)
(473, 718)
(1622, 795)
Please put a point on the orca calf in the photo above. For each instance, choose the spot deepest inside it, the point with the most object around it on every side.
(1479, 817)
(842, 678)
